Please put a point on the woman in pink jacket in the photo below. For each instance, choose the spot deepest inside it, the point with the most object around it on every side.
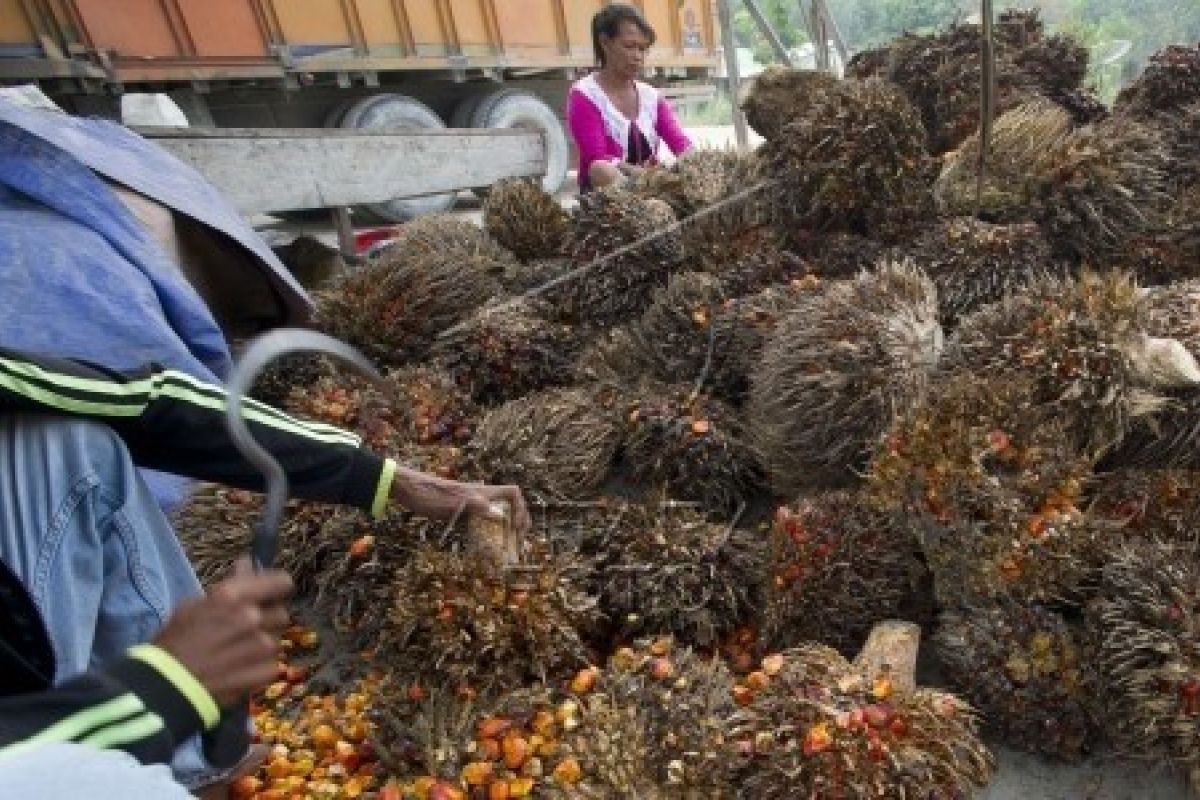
(617, 121)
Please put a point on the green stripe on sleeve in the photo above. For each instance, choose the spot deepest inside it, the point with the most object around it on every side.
(135, 729)
(383, 489)
(184, 681)
(71, 728)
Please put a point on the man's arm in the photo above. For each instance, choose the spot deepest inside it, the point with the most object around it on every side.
(176, 423)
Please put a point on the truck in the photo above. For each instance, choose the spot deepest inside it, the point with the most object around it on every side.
(263, 66)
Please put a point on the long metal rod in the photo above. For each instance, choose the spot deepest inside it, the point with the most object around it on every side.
(768, 30)
(733, 73)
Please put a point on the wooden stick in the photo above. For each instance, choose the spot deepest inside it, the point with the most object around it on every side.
(891, 650)
(733, 74)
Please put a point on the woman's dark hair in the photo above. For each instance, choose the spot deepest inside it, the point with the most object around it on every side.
(608, 21)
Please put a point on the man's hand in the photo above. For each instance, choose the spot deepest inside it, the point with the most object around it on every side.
(438, 498)
(229, 639)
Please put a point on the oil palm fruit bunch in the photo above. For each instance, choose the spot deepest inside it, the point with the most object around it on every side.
(1170, 81)
(505, 352)
(525, 220)
(855, 160)
(662, 567)
(836, 254)
(1144, 622)
(993, 488)
(456, 623)
(1056, 64)
(1090, 188)
(838, 564)
(734, 223)
(288, 373)
(630, 244)
(838, 368)
(215, 526)
(1159, 504)
(557, 443)
(1084, 346)
(759, 269)
(975, 263)
(1183, 137)
(691, 446)
(815, 725)
(525, 276)
(394, 309)
(1027, 671)
(779, 95)
(411, 406)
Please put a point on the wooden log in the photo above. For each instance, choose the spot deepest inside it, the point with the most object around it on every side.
(494, 541)
(265, 170)
(891, 652)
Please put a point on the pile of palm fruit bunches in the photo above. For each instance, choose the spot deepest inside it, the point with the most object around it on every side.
(761, 403)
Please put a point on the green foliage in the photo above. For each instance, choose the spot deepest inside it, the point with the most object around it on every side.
(784, 16)
(871, 23)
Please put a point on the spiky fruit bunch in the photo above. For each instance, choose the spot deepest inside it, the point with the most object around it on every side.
(558, 443)
(838, 368)
(1024, 668)
(1082, 346)
(663, 568)
(730, 220)
(814, 726)
(523, 277)
(855, 161)
(1144, 622)
(1084, 107)
(761, 269)
(780, 95)
(836, 255)
(215, 527)
(433, 279)
(454, 622)
(284, 375)
(1173, 312)
(696, 332)
(411, 406)
(1149, 503)
(1090, 189)
(973, 263)
(629, 245)
(690, 445)
(1055, 64)
(993, 488)
(507, 352)
(1170, 81)
(1183, 137)
(527, 221)
(838, 565)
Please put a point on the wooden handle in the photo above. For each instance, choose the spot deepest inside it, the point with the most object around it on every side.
(891, 651)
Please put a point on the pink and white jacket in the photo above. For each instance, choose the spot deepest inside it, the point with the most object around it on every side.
(602, 132)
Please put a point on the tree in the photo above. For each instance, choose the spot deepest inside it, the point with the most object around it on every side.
(784, 16)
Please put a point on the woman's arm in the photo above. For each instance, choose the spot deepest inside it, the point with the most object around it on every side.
(670, 130)
(587, 129)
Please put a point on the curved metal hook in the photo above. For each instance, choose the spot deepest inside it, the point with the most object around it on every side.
(262, 351)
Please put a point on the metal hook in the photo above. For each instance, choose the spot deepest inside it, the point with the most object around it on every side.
(263, 350)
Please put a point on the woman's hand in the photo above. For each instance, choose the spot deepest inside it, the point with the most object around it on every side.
(441, 499)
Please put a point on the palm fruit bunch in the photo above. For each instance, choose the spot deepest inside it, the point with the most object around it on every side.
(1170, 81)
(1057, 64)
(838, 564)
(1159, 504)
(838, 368)
(662, 567)
(690, 445)
(440, 271)
(557, 443)
(993, 489)
(215, 526)
(974, 263)
(1024, 667)
(1091, 189)
(505, 352)
(780, 95)
(1144, 624)
(525, 220)
(854, 160)
(288, 373)
(410, 406)
(815, 725)
(1183, 136)
(695, 332)
(527, 276)
(629, 245)
(836, 254)
(454, 623)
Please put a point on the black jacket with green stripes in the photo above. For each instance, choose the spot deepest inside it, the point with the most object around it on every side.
(147, 703)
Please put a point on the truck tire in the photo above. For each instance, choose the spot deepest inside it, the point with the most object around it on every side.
(465, 109)
(397, 111)
(515, 108)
